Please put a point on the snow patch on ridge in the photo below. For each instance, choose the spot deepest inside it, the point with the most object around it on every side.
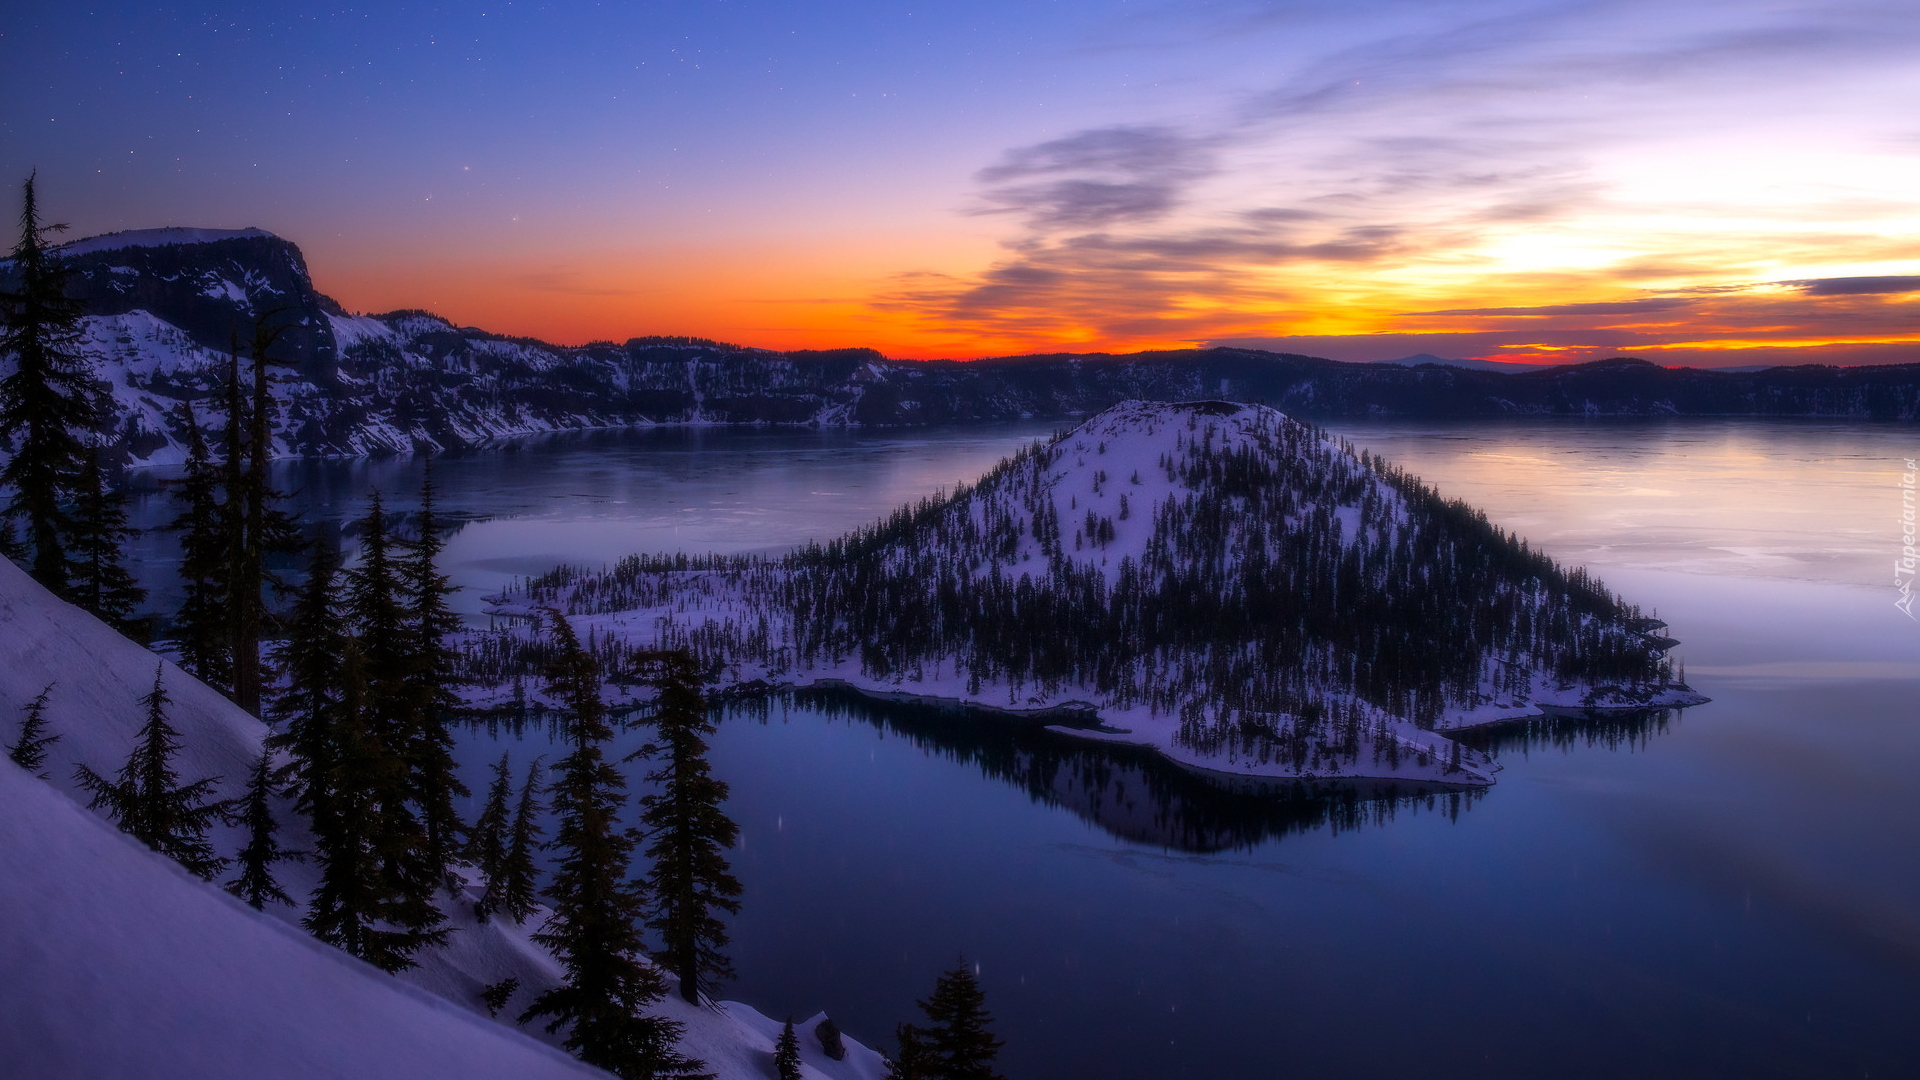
(156, 238)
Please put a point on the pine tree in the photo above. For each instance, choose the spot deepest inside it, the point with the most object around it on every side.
(592, 930)
(251, 519)
(101, 582)
(513, 888)
(341, 774)
(916, 1060)
(30, 750)
(487, 842)
(49, 403)
(255, 883)
(786, 1054)
(201, 626)
(148, 800)
(434, 779)
(690, 880)
(386, 732)
(962, 1046)
(311, 705)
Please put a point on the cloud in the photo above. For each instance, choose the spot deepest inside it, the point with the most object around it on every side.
(1858, 286)
(1611, 307)
(1457, 160)
(1096, 178)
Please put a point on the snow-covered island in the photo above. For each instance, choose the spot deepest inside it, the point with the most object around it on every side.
(1217, 581)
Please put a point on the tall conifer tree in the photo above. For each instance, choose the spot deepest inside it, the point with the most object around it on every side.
(786, 1053)
(49, 403)
(341, 774)
(101, 582)
(256, 526)
(148, 800)
(592, 931)
(201, 625)
(431, 700)
(963, 1047)
(690, 881)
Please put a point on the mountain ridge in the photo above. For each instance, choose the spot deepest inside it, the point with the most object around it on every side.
(161, 316)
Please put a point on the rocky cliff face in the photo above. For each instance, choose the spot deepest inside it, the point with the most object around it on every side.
(165, 306)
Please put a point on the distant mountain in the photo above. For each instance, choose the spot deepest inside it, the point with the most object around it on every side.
(1217, 581)
(1471, 365)
(165, 305)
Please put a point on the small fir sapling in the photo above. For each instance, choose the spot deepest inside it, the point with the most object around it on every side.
(148, 800)
(30, 750)
(255, 883)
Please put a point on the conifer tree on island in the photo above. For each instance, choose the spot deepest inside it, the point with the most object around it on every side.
(49, 403)
(690, 880)
(148, 800)
(592, 930)
(786, 1054)
(30, 750)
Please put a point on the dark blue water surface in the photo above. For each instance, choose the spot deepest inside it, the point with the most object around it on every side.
(1729, 892)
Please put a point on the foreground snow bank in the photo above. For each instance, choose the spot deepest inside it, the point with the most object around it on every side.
(117, 964)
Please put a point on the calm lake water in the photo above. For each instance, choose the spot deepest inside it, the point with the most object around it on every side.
(1729, 892)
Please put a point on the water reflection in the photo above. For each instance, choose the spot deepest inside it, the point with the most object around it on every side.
(1131, 792)
(1627, 729)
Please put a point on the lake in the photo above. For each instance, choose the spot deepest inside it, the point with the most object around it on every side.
(1732, 891)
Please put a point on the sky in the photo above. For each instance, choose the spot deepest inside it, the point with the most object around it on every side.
(1700, 182)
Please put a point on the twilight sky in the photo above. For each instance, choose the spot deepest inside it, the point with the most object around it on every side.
(1707, 182)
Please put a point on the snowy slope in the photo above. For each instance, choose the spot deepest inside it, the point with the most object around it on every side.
(119, 965)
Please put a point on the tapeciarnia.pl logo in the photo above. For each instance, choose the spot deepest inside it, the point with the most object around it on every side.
(1903, 567)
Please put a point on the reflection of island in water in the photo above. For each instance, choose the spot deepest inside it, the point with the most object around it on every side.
(1566, 729)
(1133, 792)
